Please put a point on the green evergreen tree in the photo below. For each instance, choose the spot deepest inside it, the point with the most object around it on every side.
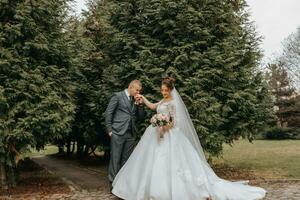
(287, 104)
(88, 36)
(36, 98)
(282, 91)
(210, 47)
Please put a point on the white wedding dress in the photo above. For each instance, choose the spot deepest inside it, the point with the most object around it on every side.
(174, 167)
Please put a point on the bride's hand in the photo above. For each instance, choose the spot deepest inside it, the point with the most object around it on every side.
(139, 98)
(163, 129)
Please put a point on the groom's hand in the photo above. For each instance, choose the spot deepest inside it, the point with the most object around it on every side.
(110, 134)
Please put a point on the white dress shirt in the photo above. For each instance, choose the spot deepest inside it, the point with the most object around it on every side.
(127, 94)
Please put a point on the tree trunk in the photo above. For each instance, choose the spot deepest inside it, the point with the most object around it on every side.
(73, 147)
(86, 150)
(79, 148)
(93, 149)
(61, 147)
(68, 147)
(12, 176)
(3, 176)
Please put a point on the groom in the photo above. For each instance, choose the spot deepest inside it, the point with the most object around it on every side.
(122, 112)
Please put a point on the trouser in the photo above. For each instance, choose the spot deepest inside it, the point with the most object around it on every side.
(121, 147)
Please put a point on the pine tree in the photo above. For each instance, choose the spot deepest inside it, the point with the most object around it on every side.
(287, 102)
(35, 87)
(210, 47)
(282, 91)
(88, 36)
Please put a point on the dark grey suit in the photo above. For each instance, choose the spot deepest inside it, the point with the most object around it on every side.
(120, 118)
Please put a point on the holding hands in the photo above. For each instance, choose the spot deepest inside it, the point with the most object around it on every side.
(139, 99)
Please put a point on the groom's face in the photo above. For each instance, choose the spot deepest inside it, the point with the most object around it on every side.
(135, 89)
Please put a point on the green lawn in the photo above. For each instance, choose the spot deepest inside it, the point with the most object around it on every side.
(266, 158)
(269, 159)
(49, 149)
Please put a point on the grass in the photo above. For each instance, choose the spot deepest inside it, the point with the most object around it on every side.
(48, 150)
(266, 158)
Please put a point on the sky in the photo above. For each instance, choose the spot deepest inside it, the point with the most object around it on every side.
(275, 20)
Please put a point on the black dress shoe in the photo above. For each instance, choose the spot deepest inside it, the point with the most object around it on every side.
(110, 187)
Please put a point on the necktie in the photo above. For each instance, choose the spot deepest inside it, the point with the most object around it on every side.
(131, 100)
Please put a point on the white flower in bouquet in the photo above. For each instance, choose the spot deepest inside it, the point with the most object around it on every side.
(160, 120)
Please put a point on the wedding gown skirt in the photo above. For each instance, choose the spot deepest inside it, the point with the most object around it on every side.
(172, 170)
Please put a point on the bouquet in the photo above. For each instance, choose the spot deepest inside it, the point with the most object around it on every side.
(159, 120)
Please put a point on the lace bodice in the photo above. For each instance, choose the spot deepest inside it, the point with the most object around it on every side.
(167, 108)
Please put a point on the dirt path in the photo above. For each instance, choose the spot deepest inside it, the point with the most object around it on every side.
(81, 178)
(91, 182)
(88, 183)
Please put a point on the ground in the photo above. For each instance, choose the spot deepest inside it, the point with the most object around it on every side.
(57, 177)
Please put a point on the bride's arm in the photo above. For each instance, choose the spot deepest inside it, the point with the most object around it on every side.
(150, 105)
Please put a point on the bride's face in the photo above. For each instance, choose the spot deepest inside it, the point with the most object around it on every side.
(165, 91)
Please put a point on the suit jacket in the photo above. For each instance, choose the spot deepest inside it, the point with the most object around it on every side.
(120, 114)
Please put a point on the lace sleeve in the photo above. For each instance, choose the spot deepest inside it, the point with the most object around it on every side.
(172, 112)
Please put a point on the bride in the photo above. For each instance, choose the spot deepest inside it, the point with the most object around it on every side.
(169, 164)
